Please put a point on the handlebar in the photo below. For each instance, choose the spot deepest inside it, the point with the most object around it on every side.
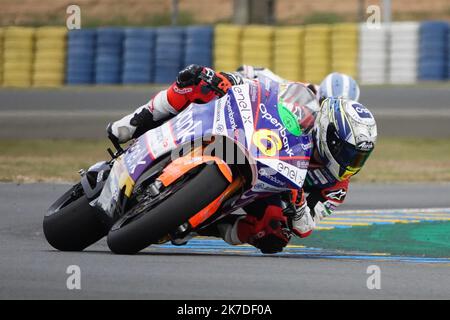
(115, 143)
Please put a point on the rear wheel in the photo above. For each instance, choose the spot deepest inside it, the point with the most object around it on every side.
(150, 226)
(71, 224)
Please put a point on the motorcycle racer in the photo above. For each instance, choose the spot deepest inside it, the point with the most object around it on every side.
(344, 136)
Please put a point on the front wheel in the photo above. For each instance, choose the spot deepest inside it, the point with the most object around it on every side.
(71, 224)
(178, 208)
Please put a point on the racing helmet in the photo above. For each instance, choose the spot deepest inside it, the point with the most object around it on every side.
(345, 133)
(338, 85)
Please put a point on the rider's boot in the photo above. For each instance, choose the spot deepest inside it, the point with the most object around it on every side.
(144, 118)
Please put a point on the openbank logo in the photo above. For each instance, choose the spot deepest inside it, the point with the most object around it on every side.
(280, 128)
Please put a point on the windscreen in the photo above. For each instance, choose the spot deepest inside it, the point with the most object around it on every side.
(301, 101)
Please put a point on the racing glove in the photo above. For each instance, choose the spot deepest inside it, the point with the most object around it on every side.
(207, 79)
(198, 84)
(302, 223)
(320, 212)
(300, 220)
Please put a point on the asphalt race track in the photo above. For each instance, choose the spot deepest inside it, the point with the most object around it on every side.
(31, 269)
(83, 112)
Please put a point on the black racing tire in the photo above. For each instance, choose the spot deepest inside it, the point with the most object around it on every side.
(72, 224)
(177, 209)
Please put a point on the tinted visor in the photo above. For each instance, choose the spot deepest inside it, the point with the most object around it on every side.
(344, 153)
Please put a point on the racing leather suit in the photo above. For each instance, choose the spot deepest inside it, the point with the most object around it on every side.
(322, 191)
(265, 225)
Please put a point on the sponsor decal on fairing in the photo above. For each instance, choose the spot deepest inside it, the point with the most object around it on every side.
(292, 173)
(185, 126)
(245, 110)
(219, 125)
(160, 140)
(281, 130)
(135, 156)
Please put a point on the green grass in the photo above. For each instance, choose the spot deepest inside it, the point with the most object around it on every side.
(48, 160)
(408, 160)
(393, 160)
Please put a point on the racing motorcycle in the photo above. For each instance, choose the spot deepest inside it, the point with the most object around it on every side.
(190, 172)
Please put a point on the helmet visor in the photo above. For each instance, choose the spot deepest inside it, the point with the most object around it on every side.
(346, 155)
